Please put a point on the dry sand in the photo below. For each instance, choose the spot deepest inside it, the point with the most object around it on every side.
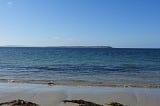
(54, 95)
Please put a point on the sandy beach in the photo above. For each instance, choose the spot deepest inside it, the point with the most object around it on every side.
(45, 95)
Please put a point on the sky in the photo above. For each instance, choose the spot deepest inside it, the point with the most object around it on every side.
(116, 23)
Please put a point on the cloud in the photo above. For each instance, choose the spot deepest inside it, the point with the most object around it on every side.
(56, 37)
(61, 38)
(9, 3)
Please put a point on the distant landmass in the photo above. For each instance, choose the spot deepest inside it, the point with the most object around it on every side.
(85, 46)
(60, 46)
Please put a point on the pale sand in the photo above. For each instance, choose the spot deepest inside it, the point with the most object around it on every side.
(54, 95)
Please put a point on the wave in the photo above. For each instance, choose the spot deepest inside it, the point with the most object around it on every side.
(81, 68)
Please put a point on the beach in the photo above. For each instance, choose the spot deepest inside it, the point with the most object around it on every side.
(49, 76)
(45, 95)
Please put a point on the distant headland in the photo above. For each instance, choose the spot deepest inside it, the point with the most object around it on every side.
(83, 46)
(61, 46)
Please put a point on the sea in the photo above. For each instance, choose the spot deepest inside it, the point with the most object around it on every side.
(111, 67)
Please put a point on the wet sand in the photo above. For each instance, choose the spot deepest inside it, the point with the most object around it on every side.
(45, 95)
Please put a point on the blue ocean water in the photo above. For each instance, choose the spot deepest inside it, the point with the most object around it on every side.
(81, 66)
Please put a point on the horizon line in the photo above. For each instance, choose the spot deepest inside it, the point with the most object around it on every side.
(82, 47)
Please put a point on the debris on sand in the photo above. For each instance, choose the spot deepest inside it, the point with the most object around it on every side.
(51, 83)
(11, 81)
(18, 103)
(87, 103)
(82, 103)
(115, 104)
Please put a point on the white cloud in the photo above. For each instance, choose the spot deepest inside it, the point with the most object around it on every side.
(61, 38)
(56, 37)
(9, 3)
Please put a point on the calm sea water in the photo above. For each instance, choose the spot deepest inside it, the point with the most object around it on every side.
(81, 66)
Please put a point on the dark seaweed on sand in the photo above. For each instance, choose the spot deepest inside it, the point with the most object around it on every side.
(18, 103)
(115, 104)
(86, 103)
(80, 102)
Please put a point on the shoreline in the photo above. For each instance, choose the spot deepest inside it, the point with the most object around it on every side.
(80, 83)
(48, 95)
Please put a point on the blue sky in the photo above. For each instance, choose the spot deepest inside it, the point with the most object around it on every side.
(118, 23)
